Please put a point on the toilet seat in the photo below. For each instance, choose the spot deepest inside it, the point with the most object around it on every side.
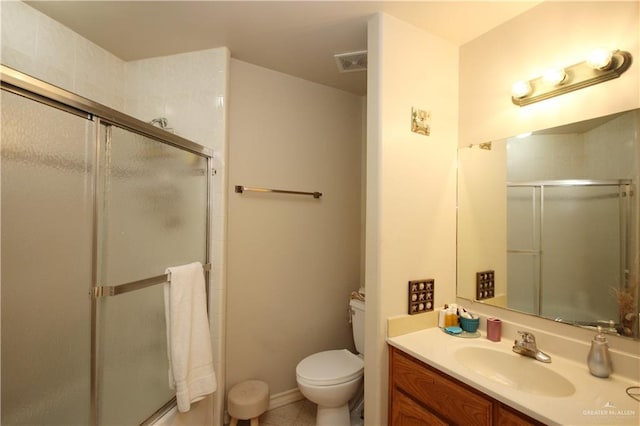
(330, 368)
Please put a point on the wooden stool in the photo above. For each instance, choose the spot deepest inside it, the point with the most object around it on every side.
(248, 400)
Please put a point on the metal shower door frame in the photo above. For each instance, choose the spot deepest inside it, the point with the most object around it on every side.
(24, 85)
(625, 191)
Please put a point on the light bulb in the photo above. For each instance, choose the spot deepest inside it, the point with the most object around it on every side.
(554, 76)
(600, 58)
(520, 89)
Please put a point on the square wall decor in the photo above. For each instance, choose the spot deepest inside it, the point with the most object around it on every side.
(420, 121)
(421, 296)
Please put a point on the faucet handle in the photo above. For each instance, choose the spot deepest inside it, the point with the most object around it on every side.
(526, 337)
(611, 329)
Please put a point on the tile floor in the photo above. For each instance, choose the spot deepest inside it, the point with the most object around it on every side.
(300, 413)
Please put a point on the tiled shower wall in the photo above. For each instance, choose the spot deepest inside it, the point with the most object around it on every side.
(43, 48)
(190, 90)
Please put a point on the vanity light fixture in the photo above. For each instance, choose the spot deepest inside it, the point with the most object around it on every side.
(554, 76)
(600, 58)
(600, 66)
(520, 89)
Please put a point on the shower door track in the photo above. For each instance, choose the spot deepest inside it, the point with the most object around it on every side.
(27, 86)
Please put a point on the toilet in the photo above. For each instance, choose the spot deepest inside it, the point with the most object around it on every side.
(332, 378)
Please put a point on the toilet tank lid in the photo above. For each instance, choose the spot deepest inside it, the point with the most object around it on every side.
(356, 303)
(330, 367)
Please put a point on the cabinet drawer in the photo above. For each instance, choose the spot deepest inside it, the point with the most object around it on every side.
(450, 399)
(407, 412)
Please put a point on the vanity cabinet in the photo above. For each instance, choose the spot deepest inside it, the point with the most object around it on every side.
(507, 416)
(421, 395)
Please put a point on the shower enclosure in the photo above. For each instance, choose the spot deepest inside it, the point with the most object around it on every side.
(567, 245)
(95, 206)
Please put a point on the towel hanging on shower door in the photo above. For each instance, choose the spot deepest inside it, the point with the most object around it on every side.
(191, 371)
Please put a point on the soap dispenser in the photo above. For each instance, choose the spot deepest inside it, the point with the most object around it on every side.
(599, 360)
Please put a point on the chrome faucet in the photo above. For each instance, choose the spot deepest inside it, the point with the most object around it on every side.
(525, 344)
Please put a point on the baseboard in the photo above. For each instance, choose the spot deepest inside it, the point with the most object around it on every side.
(284, 398)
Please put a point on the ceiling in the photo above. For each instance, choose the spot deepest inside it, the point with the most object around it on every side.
(295, 37)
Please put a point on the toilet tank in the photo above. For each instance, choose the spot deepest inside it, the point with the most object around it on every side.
(357, 324)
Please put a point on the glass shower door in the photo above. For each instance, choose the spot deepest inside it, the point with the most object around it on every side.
(152, 215)
(523, 248)
(567, 249)
(582, 245)
(47, 210)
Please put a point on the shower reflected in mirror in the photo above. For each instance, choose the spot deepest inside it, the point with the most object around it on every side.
(555, 214)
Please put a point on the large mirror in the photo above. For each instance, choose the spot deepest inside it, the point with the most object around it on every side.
(548, 223)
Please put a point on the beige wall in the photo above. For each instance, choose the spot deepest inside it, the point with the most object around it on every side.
(482, 215)
(411, 183)
(292, 260)
(551, 34)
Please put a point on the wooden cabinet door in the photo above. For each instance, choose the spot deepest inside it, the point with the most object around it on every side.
(438, 399)
(406, 412)
(439, 393)
(508, 417)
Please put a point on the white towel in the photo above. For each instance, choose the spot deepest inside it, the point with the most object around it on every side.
(188, 340)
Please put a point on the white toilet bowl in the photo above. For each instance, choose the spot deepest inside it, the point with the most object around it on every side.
(330, 379)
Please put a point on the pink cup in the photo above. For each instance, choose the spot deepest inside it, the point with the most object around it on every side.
(494, 329)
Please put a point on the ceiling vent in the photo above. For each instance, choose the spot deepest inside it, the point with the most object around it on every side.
(352, 61)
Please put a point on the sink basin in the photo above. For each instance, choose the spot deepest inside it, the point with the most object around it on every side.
(516, 371)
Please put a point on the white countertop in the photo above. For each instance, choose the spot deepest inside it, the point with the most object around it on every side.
(596, 401)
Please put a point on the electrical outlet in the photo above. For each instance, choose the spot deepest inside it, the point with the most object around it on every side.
(485, 284)
(421, 296)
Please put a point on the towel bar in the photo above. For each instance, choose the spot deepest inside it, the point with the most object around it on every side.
(240, 189)
(107, 291)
